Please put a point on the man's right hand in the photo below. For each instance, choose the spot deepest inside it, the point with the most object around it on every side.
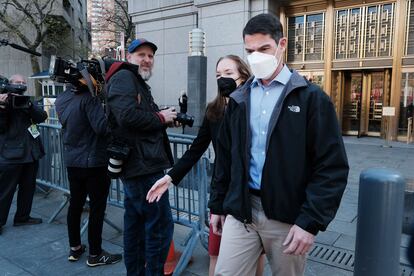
(169, 115)
(217, 222)
(3, 99)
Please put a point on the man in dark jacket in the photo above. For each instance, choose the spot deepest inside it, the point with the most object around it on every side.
(281, 166)
(84, 130)
(20, 151)
(137, 121)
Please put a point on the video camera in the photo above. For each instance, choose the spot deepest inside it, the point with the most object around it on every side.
(15, 98)
(182, 117)
(89, 73)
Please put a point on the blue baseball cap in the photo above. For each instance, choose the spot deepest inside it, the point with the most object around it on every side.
(139, 42)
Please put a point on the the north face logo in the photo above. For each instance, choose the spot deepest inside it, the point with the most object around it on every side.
(294, 108)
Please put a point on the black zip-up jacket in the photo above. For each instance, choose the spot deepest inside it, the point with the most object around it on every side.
(17, 145)
(134, 119)
(305, 170)
(84, 129)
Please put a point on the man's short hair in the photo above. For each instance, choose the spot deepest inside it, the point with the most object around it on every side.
(264, 24)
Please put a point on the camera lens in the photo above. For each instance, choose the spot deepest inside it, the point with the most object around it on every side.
(184, 119)
(114, 167)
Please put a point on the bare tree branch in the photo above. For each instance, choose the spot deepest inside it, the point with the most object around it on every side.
(116, 20)
(49, 11)
(6, 21)
(26, 11)
(123, 7)
(19, 16)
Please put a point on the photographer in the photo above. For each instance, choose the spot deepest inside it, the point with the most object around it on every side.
(84, 130)
(20, 150)
(138, 122)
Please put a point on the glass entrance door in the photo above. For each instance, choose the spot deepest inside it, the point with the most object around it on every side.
(362, 100)
(376, 99)
(352, 97)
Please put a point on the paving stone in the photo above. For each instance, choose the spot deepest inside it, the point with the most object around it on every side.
(327, 237)
(10, 269)
(317, 269)
(345, 242)
(403, 256)
(347, 212)
(405, 239)
(34, 258)
(22, 238)
(343, 227)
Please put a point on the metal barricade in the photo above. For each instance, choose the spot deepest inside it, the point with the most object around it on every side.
(188, 200)
(52, 172)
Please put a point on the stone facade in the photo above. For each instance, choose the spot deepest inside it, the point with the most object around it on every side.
(168, 23)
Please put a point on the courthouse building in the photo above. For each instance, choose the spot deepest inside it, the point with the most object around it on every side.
(360, 52)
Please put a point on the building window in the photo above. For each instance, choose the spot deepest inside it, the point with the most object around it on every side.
(409, 38)
(52, 89)
(348, 32)
(406, 102)
(364, 32)
(58, 89)
(378, 36)
(305, 37)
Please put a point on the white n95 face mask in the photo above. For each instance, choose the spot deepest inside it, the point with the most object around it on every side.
(262, 65)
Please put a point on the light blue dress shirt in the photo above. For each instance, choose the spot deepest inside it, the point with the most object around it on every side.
(262, 102)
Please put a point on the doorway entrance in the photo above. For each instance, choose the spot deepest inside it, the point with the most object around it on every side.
(364, 95)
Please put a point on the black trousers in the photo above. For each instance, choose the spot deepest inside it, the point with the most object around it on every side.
(92, 182)
(23, 175)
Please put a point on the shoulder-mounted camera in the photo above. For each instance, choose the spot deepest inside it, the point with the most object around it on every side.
(15, 98)
(85, 73)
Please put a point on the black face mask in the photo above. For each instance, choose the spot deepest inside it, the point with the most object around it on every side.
(226, 86)
(16, 88)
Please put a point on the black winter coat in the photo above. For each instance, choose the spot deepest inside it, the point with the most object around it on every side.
(84, 129)
(17, 145)
(134, 119)
(305, 170)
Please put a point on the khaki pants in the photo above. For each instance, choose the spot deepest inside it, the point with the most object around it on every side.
(242, 245)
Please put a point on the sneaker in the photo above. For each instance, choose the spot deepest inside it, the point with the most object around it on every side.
(29, 221)
(74, 255)
(103, 259)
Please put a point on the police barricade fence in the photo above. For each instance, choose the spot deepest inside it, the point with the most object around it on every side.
(188, 200)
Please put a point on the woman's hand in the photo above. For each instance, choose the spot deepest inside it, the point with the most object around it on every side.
(159, 188)
(217, 222)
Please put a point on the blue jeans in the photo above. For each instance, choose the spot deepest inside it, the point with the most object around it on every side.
(148, 228)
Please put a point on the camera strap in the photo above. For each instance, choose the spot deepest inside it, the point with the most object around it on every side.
(85, 74)
(102, 65)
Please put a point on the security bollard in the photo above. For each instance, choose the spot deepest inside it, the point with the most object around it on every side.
(380, 212)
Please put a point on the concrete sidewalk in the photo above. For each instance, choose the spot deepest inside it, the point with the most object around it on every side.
(42, 249)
